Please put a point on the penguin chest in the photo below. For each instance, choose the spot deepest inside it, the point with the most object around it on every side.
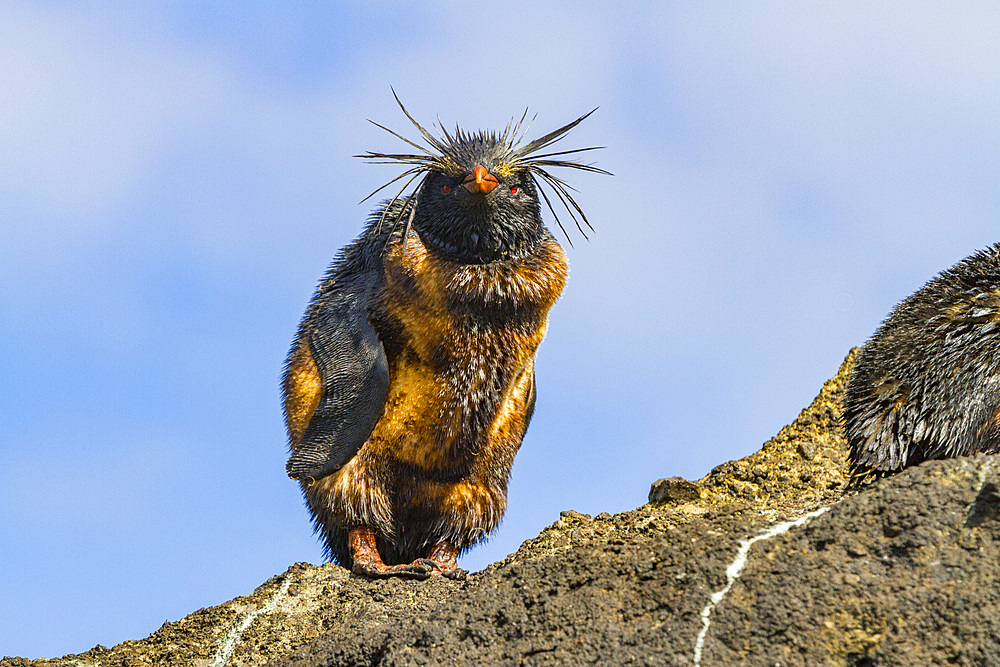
(461, 341)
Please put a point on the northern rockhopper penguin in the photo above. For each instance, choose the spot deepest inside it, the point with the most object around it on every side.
(927, 383)
(411, 380)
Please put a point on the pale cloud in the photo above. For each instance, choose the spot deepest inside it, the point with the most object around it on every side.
(889, 108)
(85, 111)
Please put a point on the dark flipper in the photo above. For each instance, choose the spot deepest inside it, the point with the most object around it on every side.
(355, 379)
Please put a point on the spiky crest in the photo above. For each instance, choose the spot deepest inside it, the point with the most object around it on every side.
(449, 151)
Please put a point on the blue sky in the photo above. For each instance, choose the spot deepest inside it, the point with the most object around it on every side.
(175, 177)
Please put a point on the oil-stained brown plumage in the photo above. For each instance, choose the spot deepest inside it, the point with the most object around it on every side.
(411, 380)
(927, 383)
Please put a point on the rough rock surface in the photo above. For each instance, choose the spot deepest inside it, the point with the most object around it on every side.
(762, 562)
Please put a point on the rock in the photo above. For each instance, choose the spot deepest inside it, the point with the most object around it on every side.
(673, 490)
(903, 572)
(807, 450)
(899, 574)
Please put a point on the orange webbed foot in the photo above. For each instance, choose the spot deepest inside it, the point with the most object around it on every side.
(368, 562)
(445, 557)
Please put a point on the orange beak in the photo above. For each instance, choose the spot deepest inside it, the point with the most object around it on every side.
(480, 181)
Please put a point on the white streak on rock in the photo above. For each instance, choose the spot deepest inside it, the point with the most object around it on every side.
(736, 568)
(228, 643)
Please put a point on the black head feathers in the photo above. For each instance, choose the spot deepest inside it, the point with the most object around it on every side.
(452, 154)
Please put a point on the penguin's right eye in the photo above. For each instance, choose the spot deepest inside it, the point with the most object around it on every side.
(445, 189)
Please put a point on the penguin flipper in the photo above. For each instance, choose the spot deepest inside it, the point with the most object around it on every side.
(353, 373)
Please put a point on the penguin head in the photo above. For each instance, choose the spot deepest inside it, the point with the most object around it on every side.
(478, 194)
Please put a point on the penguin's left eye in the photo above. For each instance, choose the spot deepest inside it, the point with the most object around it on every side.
(445, 189)
(514, 189)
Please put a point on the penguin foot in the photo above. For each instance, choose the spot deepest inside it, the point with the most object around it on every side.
(445, 557)
(414, 570)
(368, 562)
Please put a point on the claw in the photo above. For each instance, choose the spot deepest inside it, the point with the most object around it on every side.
(413, 570)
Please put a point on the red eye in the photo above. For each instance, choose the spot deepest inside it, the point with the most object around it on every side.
(445, 189)
(514, 189)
